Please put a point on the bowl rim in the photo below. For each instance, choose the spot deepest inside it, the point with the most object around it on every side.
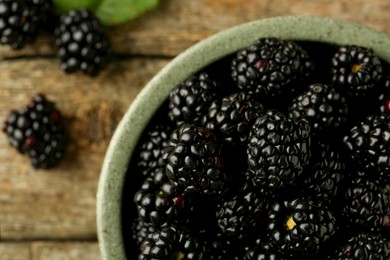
(298, 28)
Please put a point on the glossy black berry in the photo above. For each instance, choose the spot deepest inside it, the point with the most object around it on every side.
(37, 131)
(363, 246)
(22, 20)
(356, 70)
(232, 117)
(271, 67)
(367, 203)
(301, 226)
(368, 143)
(82, 43)
(171, 243)
(189, 101)
(195, 161)
(322, 106)
(278, 150)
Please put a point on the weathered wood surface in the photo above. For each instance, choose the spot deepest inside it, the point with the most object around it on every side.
(51, 214)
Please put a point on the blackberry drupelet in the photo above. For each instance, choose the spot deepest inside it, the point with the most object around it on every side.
(272, 67)
(231, 117)
(22, 20)
(363, 246)
(195, 162)
(191, 99)
(301, 226)
(82, 43)
(171, 243)
(368, 143)
(367, 203)
(355, 70)
(151, 150)
(322, 106)
(278, 150)
(37, 131)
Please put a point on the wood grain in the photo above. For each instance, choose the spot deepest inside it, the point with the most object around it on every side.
(48, 214)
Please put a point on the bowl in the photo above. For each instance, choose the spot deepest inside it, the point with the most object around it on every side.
(116, 162)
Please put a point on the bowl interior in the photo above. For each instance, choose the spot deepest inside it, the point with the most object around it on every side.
(116, 163)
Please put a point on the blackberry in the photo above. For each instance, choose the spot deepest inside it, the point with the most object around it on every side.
(278, 150)
(171, 243)
(195, 162)
(37, 131)
(322, 106)
(367, 203)
(82, 43)
(355, 70)
(300, 227)
(242, 215)
(384, 96)
(163, 203)
(262, 249)
(152, 149)
(368, 143)
(191, 99)
(21, 20)
(363, 246)
(142, 230)
(323, 176)
(232, 117)
(272, 67)
(220, 247)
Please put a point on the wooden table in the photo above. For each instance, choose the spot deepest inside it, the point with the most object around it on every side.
(51, 214)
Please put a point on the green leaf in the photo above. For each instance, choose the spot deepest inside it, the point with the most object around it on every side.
(111, 12)
(63, 6)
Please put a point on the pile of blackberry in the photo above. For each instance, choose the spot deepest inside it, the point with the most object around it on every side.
(278, 151)
(80, 39)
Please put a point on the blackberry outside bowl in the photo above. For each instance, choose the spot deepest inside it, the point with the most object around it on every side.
(116, 162)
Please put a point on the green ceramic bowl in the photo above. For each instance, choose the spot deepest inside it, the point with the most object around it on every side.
(306, 28)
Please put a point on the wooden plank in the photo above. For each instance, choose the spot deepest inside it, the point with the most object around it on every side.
(65, 250)
(176, 24)
(60, 203)
(42, 250)
(15, 251)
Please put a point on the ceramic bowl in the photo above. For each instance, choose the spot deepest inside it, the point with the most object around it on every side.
(124, 140)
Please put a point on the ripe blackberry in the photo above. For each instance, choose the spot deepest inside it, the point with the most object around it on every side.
(37, 130)
(220, 247)
(262, 249)
(363, 246)
(238, 217)
(231, 117)
(367, 203)
(141, 230)
(191, 99)
(171, 243)
(323, 176)
(163, 203)
(300, 227)
(82, 43)
(195, 162)
(272, 67)
(278, 150)
(355, 70)
(151, 150)
(384, 96)
(368, 143)
(322, 106)
(21, 20)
